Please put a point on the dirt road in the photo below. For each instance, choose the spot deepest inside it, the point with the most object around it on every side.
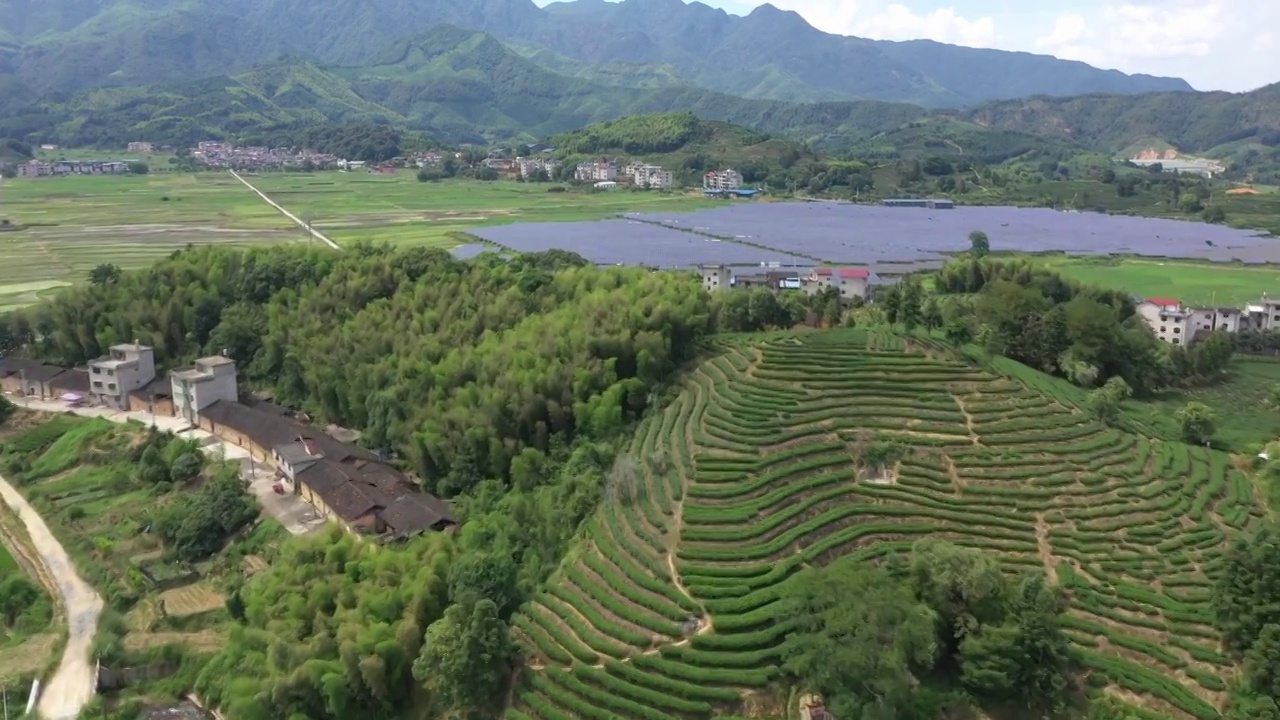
(72, 684)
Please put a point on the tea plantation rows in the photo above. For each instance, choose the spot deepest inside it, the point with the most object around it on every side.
(668, 609)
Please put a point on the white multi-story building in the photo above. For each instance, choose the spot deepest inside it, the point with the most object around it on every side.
(593, 172)
(716, 277)
(851, 282)
(530, 166)
(652, 177)
(1168, 319)
(212, 379)
(126, 368)
(722, 181)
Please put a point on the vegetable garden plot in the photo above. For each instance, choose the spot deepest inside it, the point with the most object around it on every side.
(752, 473)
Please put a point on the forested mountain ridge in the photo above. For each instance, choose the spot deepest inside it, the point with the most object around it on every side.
(68, 45)
(1192, 122)
(456, 85)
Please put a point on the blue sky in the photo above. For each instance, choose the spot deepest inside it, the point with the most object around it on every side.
(1213, 44)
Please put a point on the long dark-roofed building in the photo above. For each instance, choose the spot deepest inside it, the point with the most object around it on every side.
(344, 482)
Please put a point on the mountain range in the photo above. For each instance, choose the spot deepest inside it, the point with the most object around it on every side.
(105, 72)
(54, 46)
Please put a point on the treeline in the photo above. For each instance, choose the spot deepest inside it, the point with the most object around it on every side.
(656, 133)
(369, 142)
(1246, 602)
(933, 635)
(1086, 334)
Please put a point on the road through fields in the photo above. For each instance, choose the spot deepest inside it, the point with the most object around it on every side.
(72, 684)
(315, 233)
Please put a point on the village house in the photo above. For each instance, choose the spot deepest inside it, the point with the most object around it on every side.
(599, 171)
(123, 370)
(141, 147)
(345, 483)
(156, 397)
(651, 177)
(722, 181)
(211, 380)
(851, 282)
(70, 385)
(530, 166)
(1178, 324)
(715, 277)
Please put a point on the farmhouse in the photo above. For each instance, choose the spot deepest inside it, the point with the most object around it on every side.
(715, 277)
(344, 483)
(126, 368)
(851, 282)
(70, 384)
(141, 147)
(13, 373)
(156, 397)
(213, 379)
(34, 381)
(652, 177)
(722, 181)
(1178, 324)
(601, 171)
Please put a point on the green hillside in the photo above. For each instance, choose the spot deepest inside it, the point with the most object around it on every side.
(770, 54)
(784, 453)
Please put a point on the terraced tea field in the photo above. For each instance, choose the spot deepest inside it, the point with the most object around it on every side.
(669, 607)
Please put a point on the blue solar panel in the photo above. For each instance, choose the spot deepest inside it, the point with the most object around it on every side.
(628, 242)
(862, 234)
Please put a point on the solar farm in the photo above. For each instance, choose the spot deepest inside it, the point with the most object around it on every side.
(891, 240)
(669, 608)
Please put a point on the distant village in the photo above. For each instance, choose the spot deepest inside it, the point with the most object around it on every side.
(537, 165)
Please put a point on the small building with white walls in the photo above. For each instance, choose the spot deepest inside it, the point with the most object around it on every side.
(715, 277)
(1168, 319)
(212, 379)
(126, 368)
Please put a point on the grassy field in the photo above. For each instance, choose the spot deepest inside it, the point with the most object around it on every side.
(349, 207)
(1195, 283)
(752, 473)
(70, 225)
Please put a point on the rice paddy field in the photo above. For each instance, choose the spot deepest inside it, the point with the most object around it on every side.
(669, 608)
(349, 207)
(70, 225)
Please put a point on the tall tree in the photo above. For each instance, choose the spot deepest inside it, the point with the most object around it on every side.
(464, 659)
(859, 638)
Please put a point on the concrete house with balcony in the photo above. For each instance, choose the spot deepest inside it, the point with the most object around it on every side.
(126, 368)
(852, 283)
(211, 379)
(1167, 318)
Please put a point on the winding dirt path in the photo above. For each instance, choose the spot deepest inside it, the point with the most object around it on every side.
(1045, 550)
(72, 684)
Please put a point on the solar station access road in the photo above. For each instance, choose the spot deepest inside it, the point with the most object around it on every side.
(892, 240)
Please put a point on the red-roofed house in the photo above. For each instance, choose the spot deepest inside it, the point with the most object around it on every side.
(1167, 318)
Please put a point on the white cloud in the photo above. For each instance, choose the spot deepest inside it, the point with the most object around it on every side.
(899, 22)
(888, 20)
(1212, 43)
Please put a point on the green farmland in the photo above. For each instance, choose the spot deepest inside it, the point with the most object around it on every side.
(349, 207)
(668, 609)
(1195, 283)
(67, 226)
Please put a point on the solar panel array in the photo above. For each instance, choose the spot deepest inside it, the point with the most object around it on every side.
(889, 240)
(629, 242)
(864, 234)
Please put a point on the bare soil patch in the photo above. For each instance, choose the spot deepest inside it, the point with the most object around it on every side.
(204, 641)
